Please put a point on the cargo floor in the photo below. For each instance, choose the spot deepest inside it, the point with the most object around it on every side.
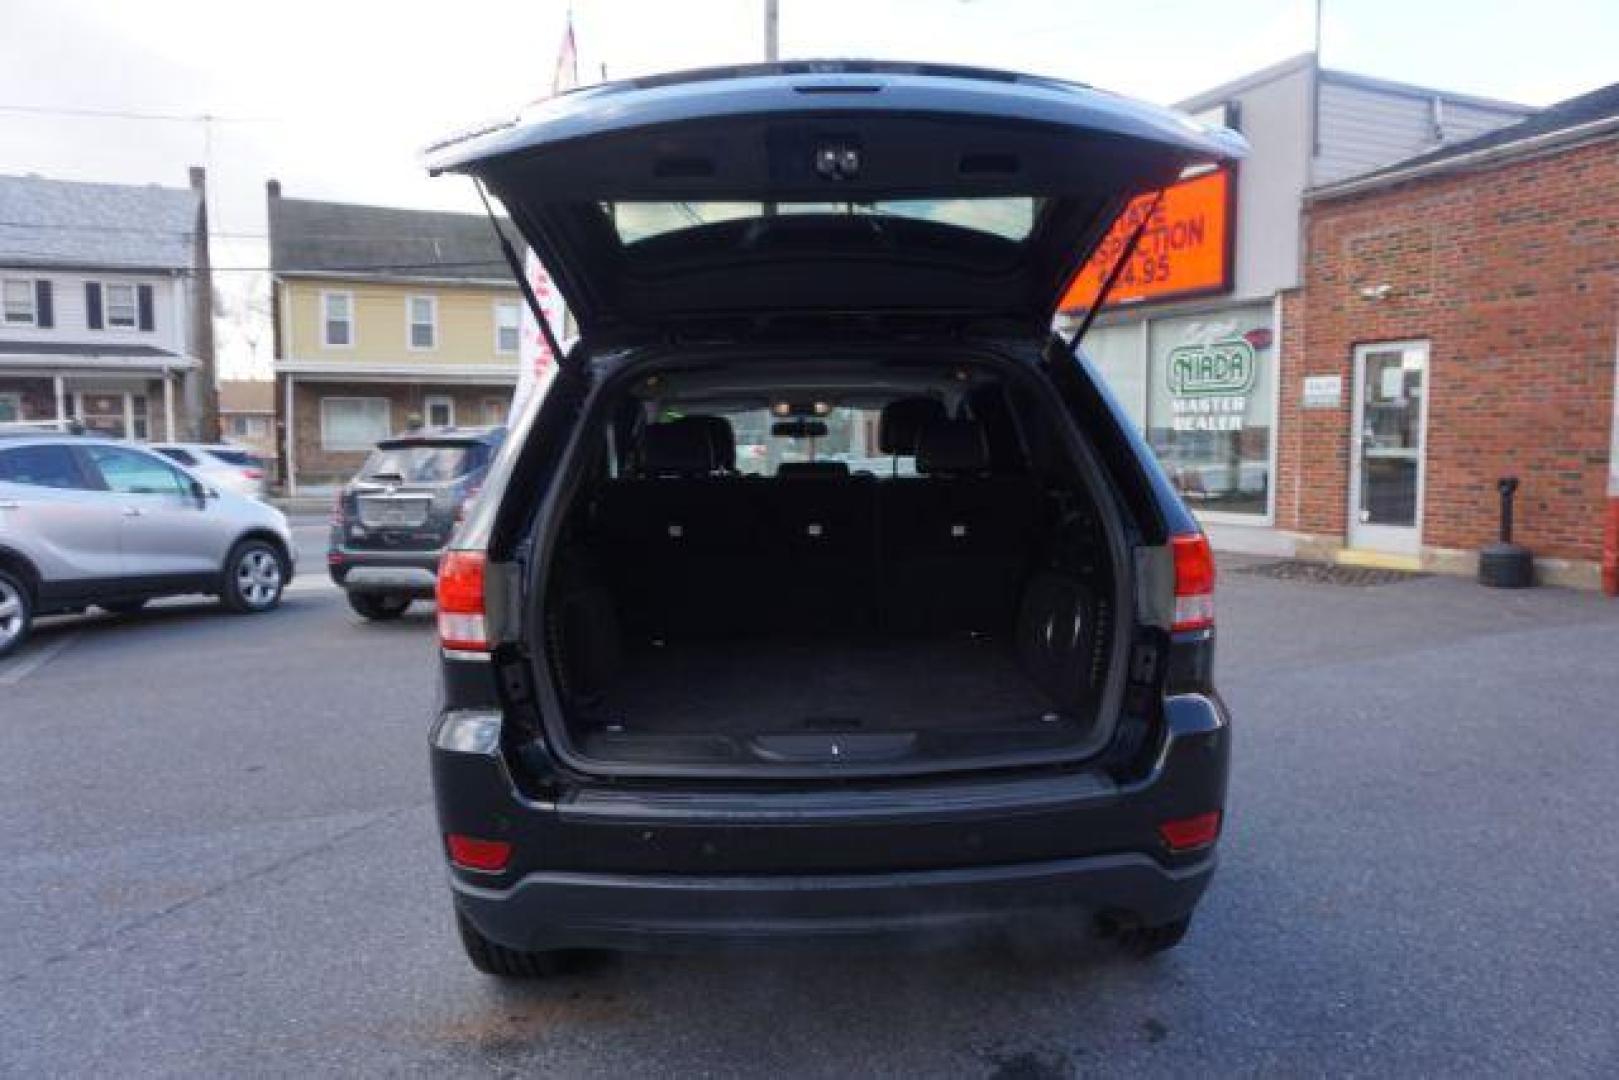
(742, 686)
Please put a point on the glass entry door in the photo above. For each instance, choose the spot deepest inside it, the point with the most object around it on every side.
(1386, 455)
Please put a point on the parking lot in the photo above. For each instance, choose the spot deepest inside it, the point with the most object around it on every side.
(219, 858)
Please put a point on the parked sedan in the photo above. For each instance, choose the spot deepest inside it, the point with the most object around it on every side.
(220, 464)
(90, 521)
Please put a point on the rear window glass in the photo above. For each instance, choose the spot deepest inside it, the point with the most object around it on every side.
(850, 441)
(422, 463)
(236, 457)
(1011, 217)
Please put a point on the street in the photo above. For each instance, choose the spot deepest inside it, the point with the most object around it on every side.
(220, 858)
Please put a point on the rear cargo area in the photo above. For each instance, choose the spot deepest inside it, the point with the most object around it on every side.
(947, 602)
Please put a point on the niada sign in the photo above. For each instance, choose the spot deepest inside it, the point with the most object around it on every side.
(1209, 384)
(1217, 368)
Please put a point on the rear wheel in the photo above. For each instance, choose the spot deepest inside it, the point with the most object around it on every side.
(493, 959)
(254, 577)
(378, 608)
(122, 607)
(16, 612)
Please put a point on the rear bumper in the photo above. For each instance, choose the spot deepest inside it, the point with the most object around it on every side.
(651, 868)
(561, 910)
(407, 573)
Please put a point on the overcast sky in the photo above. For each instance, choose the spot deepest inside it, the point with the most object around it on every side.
(336, 97)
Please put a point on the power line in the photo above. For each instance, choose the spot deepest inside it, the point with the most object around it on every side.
(129, 114)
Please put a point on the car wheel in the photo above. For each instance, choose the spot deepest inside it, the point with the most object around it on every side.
(1144, 941)
(122, 607)
(378, 608)
(493, 959)
(254, 577)
(16, 613)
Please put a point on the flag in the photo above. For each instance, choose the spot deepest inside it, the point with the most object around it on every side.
(536, 365)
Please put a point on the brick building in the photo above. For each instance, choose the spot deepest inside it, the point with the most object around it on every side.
(1458, 322)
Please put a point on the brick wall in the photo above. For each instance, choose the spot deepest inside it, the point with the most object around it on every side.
(1510, 274)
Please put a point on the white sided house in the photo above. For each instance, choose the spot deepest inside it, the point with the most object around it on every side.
(103, 306)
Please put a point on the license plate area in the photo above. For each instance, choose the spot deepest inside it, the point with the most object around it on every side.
(393, 512)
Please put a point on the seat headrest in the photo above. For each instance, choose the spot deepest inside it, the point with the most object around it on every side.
(720, 436)
(952, 446)
(902, 421)
(812, 469)
(677, 448)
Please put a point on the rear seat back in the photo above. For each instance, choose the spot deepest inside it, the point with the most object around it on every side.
(694, 553)
(675, 535)
(957, 541)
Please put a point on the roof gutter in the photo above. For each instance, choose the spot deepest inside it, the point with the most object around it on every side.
(1579, 134)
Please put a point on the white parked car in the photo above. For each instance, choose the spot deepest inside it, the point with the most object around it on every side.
(227, 467)
(86, 520)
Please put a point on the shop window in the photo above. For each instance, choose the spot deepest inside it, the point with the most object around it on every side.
(353, 423)
(1210, 393)
(1115, 352)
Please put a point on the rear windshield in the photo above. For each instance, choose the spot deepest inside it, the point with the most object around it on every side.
(237, 457)
(1011, 218)
(420, 463)
(765, 442)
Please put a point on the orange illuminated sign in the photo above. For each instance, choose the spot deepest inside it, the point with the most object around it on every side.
(1184, 251)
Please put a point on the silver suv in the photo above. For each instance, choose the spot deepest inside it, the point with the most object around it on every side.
(95, 521)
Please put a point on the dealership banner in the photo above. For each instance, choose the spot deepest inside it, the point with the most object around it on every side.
(1185, 249)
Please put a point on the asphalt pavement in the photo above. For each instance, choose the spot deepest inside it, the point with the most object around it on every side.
(219, 858)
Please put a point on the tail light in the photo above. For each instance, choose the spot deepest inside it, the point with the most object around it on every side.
(253, 474)
(1194, 582)
(1185, 834)
(473, 853)
(461, 623)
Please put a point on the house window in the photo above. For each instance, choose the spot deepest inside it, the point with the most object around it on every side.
(422, 311)
(337, 319)
(122, 312)
(249, 427)
(440, 411)
(350, 423)
(495, 410)
(506, 326)
(10, 408)
(19, 303)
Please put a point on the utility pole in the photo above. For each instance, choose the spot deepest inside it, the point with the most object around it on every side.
(772, 31)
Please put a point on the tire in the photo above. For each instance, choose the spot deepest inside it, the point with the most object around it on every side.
(504, 963)
(254, 576)
(122, 607)
(378, 607)
(16, 612)
(1143, 942)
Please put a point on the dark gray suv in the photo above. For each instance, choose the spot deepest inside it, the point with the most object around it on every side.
(392, 521)
(825, 592)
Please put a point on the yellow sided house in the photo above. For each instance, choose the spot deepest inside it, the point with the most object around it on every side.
(386, 319)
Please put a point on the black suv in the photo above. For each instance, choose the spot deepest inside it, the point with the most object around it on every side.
(825, 591)
(393, 520)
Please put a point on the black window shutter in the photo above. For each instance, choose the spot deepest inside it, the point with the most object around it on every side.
(92, 304)
(144, 298)
(44, 314)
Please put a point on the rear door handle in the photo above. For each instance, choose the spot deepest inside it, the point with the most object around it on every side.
(133, 511)
(10, 506)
